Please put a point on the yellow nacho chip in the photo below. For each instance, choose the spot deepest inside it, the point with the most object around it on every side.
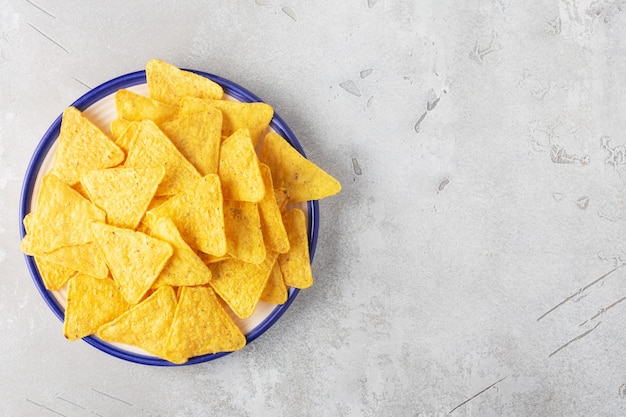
(136, 107)
(123, 193)
(198, 214)
(304, 180)
(239, 169)
(86, 258)
(275, 290)
(244, 238)
(184, 267)
(60, 218)
(82, 146)
(201, 326)
(91, 302)
(274, 232)
(240, 284)
(125, 137)
(152, 147)
(169, 84)
(135, 259)
(295, 264)
(54, 276)
(197, 136)
(118, 127)
(255, 117)
(146, 324)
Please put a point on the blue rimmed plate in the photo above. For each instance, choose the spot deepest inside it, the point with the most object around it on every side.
(99, 106)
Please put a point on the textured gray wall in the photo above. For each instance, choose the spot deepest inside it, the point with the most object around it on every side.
(471, 266)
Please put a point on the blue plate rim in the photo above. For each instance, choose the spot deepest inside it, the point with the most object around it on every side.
(49, 138)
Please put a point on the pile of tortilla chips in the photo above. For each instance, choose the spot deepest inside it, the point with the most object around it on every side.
(180, 219)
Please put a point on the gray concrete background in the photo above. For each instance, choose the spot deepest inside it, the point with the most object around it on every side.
(471, 266)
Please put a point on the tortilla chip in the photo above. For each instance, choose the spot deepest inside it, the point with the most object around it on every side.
(91, 302)
(240, 284)
(304, 180)
(295, 264)
(198, 215)
(135, 107)
(275, 290)
(169, 84)
(239, 169)
(244, 238)
(60, 218)
(123, 193)
(82, 147)
(184, 267)
(54, 276)
(197, 136)
(274, 233)
(86, 258)
(146, 324)
(255, 117)
(151, 147)
(201, 326)
(118, 127)
(135, 259)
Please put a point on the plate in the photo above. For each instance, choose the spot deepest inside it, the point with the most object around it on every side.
(99, 106)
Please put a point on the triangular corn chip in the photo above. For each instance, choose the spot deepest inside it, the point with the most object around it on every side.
(146, 324)
(60, 218)
(296, 264)
(274, 233)
(123, 193)
(82, 146)
(240, 284)
(275, 290)
(86, 258)
(244, 238)
(54, 276)
(198, 215)
(201, 326)
(135, 259)
(197, 136)
(304, 180)
(133, 106)
(169, 84)
(124, 132)
(254, 117)
(91, 302)
(152, 147)
(239, 169)
(184, 267)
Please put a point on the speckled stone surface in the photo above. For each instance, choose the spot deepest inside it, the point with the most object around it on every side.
(472, 264)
